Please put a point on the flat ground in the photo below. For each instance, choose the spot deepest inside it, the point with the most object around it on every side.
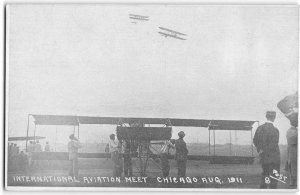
(248, 175)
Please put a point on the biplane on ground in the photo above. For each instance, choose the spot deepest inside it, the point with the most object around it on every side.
(171, 33)
(144, 133)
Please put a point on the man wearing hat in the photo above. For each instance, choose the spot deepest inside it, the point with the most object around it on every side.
(266, 142)
(73, 147)
(164, 154)
(126, 150)
(181, 154)
(114, 148)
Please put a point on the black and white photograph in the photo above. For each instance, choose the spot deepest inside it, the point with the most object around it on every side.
(151, 96)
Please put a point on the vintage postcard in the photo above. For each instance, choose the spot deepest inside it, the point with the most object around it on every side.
(151, 97)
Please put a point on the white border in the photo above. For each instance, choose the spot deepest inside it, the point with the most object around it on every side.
(275, 3)
(114, 189)
(6, 88)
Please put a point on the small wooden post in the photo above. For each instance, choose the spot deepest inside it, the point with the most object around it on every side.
(27, 132)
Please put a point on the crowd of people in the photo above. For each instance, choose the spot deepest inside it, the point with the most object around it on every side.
(21, 160)
(17, 160)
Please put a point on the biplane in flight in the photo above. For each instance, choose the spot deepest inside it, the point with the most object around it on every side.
(171, 33)
(143, 133)
(136, 18)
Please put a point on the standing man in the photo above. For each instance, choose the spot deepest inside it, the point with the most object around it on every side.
(165, 151)
(114, 148)
(23, 161)
(127, 158)
(38, 146)
(47, 147)
(106, 150)
(14, 157)
(266, 142)
(73, 147)
(181, 154)
(30, 150)
(292, 140)
(10, 146)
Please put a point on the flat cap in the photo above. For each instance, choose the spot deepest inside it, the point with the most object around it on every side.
(72, 136)
(271, 113)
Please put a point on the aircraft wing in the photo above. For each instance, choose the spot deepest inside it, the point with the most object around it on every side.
(76, 120)
(25, 138)
(174, 36)
(164, 34)
(166, 29)
(230, 125)
(212, 124)
(138, 18)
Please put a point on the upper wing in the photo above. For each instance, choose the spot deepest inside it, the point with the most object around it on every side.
(212, 124)
(162, 28)
(24, 138)
(138, 18)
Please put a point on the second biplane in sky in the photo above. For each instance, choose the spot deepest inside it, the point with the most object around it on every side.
(171, 33)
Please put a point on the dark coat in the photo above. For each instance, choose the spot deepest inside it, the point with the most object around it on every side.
(181, 150)
(266, 140)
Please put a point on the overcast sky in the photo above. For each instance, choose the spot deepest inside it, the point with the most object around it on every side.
(236, 63)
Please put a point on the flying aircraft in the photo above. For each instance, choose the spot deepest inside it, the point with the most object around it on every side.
(138, 17)
(171, 33)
